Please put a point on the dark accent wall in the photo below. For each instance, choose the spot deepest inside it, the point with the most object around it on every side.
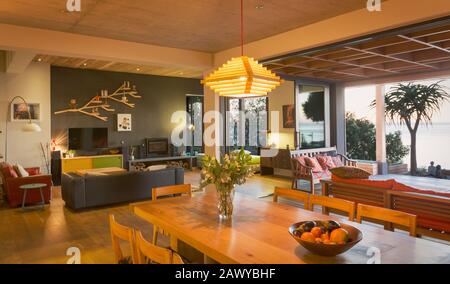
(161, 97)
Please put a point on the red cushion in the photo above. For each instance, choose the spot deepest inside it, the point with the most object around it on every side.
(402, 187)
(431, 223)
(9, 172)
(301, 160)
(337, 162)
(313, 163)
(326, 162)
(384, 184)
(33, 171)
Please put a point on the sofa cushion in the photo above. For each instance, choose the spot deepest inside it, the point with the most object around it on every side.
(405, 188)
(326, 162)
(383, 184)
(350, 173)
(8, 171)
(21, 171)
(313, 163)
(301, 160)
(337, 162)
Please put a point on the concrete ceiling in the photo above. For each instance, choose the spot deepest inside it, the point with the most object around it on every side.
(202, 25)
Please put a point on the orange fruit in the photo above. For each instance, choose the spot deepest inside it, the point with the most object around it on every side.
(317, 232)
(339, 236)
(325, 237)
(318, 240)
(308, 237)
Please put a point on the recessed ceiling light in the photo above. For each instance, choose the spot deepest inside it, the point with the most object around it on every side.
(39, 60)
(84, 64)
(138, 69)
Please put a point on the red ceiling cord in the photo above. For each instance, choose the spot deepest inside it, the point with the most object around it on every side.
(242, 27)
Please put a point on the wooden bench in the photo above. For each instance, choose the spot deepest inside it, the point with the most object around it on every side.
(301, 172)
(433, 212)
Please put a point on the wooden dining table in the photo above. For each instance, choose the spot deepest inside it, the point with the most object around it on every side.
(258, 233)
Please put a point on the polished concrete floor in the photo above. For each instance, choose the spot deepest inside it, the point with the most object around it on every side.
(45, 236)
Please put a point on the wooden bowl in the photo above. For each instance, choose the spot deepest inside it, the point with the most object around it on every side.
(355, 236)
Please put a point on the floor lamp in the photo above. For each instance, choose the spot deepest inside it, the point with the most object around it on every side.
(28, 127)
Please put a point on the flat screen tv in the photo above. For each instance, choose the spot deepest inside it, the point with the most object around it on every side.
(157, 147)
(88, 138)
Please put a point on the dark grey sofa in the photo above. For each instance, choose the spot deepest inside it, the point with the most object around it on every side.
(94, 191)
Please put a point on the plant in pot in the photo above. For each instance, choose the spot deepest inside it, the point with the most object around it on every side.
(232, 170)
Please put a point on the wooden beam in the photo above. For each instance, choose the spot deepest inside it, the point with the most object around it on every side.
(18, 61)
(424, 43)
(40, 41)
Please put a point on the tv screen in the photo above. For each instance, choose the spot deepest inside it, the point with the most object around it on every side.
(88, 138)
(157, 147)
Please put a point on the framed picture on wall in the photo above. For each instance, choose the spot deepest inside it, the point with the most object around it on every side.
(19, 112)
(124, 122)
(289, 116)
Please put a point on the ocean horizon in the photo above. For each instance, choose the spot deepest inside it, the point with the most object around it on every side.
(432, 143)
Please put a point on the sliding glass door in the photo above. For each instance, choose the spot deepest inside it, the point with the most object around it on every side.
(313, 119)
(194, 139)
(246, 124)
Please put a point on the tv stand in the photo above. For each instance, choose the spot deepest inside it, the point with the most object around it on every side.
(161, 160)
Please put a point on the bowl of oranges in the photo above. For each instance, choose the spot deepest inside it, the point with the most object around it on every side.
(325, 238)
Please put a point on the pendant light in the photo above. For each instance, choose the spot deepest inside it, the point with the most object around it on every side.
(242, 77)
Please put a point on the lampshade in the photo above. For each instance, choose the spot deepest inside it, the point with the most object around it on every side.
(242, 77)
(31, 127)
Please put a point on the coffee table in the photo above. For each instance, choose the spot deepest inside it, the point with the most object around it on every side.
(101, 172)
(33, 186)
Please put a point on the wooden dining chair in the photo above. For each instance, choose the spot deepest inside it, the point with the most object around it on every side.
(182, 189)
(122, 233)
(388, 215)
(148, 253)
(333, 203)
(291, 194)
(171, 190)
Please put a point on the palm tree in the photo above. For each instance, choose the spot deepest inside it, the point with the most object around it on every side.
(412, 104)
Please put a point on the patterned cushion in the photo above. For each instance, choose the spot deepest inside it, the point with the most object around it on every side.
(350, 173)
(337, 162)
(313, 163)
(322, 175)
(301, 160)
(326, 162)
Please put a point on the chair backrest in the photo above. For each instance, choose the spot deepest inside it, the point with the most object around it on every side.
(171, 190)
(150, 253)
(388, 215)
(333, 203)
(313, 152)
(291, 194)
(120, 232)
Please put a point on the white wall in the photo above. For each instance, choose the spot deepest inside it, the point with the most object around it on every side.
(34, 86)
(281, 96)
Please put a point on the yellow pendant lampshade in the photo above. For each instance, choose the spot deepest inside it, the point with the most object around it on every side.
(242, 77)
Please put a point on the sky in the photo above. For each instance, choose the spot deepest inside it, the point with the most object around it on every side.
(358, 99)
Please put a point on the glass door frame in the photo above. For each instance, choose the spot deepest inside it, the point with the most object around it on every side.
(327, 110)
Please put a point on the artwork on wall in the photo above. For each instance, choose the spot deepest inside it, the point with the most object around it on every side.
(123, 122)
(101, 102)
(19, 112)
(289, 116)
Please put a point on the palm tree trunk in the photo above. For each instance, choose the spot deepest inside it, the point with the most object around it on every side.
(413, 152)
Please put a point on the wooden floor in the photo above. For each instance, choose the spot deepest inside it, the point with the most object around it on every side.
(45, 236)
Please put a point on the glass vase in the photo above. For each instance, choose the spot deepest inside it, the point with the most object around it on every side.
(225, 194)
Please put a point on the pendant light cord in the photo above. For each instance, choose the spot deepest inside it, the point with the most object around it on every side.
(242, 27)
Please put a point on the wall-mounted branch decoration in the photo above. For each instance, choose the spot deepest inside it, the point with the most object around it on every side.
(98, 103)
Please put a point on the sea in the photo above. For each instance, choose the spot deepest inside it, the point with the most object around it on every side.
(433, 143)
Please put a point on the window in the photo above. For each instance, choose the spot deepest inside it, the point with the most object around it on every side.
(247, 124)
(194, 107)
(312, 116)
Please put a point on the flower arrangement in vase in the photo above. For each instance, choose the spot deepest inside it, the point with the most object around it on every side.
(232, 170)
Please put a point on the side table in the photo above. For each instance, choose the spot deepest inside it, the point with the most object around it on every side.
(33, 186)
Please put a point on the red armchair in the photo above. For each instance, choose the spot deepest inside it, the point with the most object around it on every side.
(14, 195)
